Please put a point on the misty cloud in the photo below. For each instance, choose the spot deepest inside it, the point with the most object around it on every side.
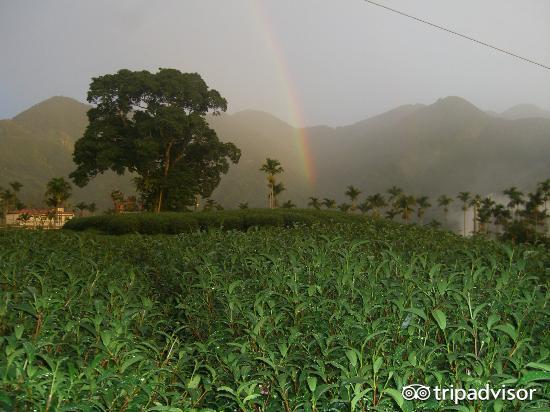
(339, 62)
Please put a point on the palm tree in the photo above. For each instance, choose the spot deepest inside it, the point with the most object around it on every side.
(406, 204)
(243, 205)
(364, 207)
(501, 215)
(329, 203)
(436, 224)
(475, 202)
(485, 212)
(391, 213)
(24, 217)
(58, 190)
(288, 205)
(16, 187)
(277, 190)
(544, 188)
(376, 202)
(197, 204)
(209, 205)
(353, 193)
(7, 200)
(81, 207)
(444, 201)
(344, 207)
(464, 197)
(92, 208)
(51, 215)
(271, 167)
(423, 203)
(532, 212)
(394, 193)
(314, 203)
(516, 199)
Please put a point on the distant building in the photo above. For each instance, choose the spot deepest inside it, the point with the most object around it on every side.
(125, 205)
(39, 218)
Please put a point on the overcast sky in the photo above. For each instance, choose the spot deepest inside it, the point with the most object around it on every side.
(338, 61)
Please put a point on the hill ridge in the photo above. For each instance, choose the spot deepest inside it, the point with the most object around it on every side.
(447, 146)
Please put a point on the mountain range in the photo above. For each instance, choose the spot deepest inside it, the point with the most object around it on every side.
(445, 147)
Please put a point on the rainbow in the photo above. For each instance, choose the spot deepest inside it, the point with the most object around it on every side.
(295, 112)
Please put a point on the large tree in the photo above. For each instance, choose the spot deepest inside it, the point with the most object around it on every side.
(154, 125)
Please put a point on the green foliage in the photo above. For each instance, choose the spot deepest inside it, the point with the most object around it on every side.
(271, 168)
(58, 191)
(314, 203)
(315, 317)
(154, 125)
(37, 145)
(9, 199)
(521, 231)
(288, 205)
(172, 223)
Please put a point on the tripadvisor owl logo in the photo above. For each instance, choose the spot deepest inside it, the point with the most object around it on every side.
(418, 392)
(415, 392)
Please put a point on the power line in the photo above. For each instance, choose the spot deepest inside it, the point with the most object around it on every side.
(458, 34)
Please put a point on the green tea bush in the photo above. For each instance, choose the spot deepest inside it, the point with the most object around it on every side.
(171, 223)
(311, 317)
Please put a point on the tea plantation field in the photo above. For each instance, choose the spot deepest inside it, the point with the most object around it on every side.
(313, 317)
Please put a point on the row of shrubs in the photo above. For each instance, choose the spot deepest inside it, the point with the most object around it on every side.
(172, 223)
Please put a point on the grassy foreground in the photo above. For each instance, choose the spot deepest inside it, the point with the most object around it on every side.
(314, 317)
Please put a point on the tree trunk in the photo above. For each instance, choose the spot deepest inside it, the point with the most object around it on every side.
(159, 201)
(164, 174)
(57, 203)
(475, 220)
(197, 203)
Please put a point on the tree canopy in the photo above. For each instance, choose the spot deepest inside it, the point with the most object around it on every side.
(154, 125)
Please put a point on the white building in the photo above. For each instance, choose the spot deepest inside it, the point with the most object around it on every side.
(39, 218)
